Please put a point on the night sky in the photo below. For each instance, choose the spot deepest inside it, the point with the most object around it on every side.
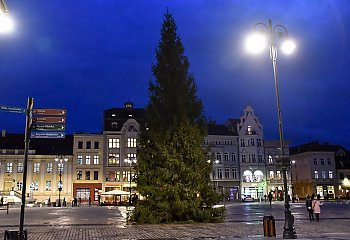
(89, 55)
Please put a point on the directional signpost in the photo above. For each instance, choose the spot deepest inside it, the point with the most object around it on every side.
(48, 123)
(12, 109)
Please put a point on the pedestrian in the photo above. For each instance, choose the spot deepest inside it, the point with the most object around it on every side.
(89, 201)
(270, 198)
(316, 206)
(75, 202)
(309, 208)
(1, 201)
(64, 202)
(79, 201)
(265, 197)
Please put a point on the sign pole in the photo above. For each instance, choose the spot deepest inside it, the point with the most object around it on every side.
(22, 234)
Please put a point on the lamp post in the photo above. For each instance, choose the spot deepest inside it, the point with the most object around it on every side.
(130, 161)
(266, 34)
(60, 160)
(6, 24)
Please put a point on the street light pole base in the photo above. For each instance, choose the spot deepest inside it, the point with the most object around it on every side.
(288, 231)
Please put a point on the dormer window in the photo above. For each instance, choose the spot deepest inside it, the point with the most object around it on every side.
(250, 130)
(114, 125)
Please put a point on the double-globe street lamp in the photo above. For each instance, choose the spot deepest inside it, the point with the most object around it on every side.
(263, 36)
(130, 162)
(60, 159)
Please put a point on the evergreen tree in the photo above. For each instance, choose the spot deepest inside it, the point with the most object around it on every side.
(173, 174)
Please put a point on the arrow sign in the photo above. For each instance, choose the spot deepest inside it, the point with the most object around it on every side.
(47, 135)
(49, 119)
(12, 109)
(49, 112)
(49, 126)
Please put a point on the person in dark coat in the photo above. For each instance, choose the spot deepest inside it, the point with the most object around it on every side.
(270, 198)
(309, 208)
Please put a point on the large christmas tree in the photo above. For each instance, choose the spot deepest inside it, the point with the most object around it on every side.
(173, 173)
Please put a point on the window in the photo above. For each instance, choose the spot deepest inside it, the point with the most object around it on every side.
(96, 159)
(83, 193)
(95, 175)
(272, 175)
(227, 173)
(226, 157)
(323, 174)
(88, 145)
(131, 156)
(316, 174)
(88, 159)
(19, 185)
(270, 159)
(36, 167)
(315, 161)
(34, 186)
(219, 173)
(113, 159)
(20, 167)
(218, 156)
(80, 159)
(260, 158)
(258, 142)
(233, 157)
(253, 158)
(322, 161)
(243, 158)
(49, 167)
(242, 143)
(249, 130)
(252, 142)
(9, 167)
(48, 186)
(79, 174)
(87, 175)
(96, 145)
(131, 142)
(125, 175)
(278, 175)
(113, 143)
(80, 145)
(234, 172)
(330, 174)
(60, 167)
(329, 162)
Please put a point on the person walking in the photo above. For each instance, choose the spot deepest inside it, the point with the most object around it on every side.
(270, 198)
(316, 206)
(309, 208)
(89, 201)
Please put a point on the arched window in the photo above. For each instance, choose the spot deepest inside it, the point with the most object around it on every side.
(259, 176)
(247, 176)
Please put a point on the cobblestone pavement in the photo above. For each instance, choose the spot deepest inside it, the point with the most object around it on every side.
(45, 225)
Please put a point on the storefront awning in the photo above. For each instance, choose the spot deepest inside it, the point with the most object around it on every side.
(116, 192)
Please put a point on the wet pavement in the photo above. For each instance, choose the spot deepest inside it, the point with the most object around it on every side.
(243, 221)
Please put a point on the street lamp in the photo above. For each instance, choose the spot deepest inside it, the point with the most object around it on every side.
(6, 24)
(130, 161)
(60, 160)
(265, 35)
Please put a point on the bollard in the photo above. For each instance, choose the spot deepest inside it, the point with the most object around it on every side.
(269, 226)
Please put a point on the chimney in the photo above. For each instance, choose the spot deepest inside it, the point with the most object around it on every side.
(3, 133)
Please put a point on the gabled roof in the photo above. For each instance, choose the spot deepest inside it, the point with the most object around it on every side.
(41, 146)
(219, 129)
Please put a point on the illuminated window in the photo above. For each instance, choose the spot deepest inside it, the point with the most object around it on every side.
(79, 174)
(113, 143)
(36, 167)
(48, 186)
(9, 167)
(131, 142)
(272, 175)
(96, 159)
(330, 174)
(316, 174)
(113, 159)
(88, 159)
(278, 175)
(270, 159)
(20, 167)
(249, 130)
(323, 174)
(49, 167)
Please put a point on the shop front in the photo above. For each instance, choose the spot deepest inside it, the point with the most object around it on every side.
(325, 191)
(85, 191)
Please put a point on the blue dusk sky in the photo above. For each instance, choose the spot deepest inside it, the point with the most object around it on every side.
(90, 55)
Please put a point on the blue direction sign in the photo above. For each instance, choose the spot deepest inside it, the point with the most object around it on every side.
(49, 126)
(12, 109)
(47, 135)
